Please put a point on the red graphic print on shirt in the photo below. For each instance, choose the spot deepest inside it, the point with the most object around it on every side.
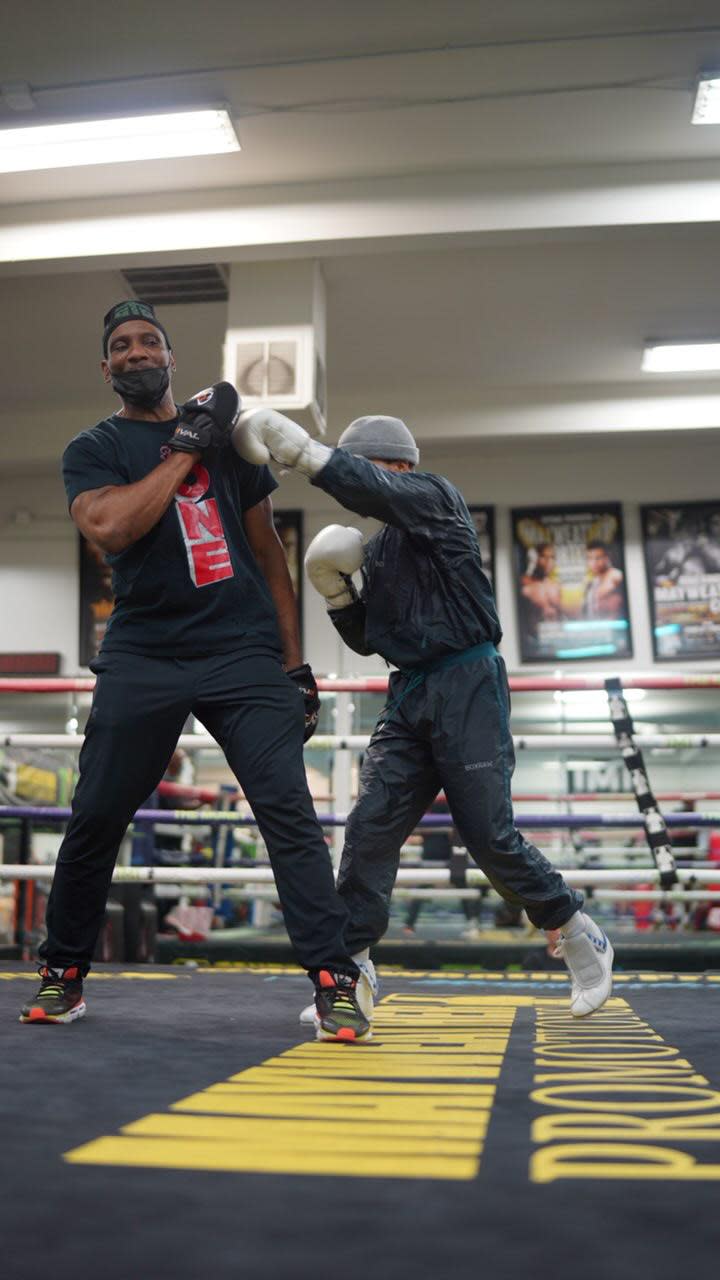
(207, 551)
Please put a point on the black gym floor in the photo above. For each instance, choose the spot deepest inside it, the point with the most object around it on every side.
(189, 1127)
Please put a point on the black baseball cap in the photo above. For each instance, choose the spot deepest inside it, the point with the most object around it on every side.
(134, 309)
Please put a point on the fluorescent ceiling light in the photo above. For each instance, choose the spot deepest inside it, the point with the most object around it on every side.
(707, 99)
(62, 146)
(681, 357)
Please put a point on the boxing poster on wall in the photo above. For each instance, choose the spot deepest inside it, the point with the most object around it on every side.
(682, 562)
(569, 570)
(484, 521)
(96, 594)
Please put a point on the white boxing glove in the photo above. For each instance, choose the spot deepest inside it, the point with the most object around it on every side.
(265, 434)
(332, 557)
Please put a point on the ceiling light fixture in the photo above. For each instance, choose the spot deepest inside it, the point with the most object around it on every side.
(62, 146)
(681, 357)
(706, 108)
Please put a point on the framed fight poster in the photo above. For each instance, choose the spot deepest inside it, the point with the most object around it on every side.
(96, 594)
(681, 542)
(570, 588)
(484, 521)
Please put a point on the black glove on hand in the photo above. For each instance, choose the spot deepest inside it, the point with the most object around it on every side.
(207, 419)
(304, 679)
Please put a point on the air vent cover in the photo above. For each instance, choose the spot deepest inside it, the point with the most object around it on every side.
(267, 370)
(163, 286)
(278, 367)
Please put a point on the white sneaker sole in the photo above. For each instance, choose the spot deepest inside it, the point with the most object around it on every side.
(587, 1000)
(71, 1016)
(342, 1037)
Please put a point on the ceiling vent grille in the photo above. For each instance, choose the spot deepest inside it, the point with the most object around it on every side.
(267, 370)
(281, 368)
(163, 286)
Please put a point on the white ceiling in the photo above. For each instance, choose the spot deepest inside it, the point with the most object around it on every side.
(329, 91)
(507, 199)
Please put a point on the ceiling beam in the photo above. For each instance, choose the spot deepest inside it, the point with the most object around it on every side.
(415, 212)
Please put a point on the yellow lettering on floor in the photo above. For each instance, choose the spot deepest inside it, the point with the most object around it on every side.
(611, 1087)
(415, 1103)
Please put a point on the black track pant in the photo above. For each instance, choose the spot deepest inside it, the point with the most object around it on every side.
(255, 714)
(451, 731)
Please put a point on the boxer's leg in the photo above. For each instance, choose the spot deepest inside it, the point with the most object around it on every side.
(136, 718)
(475, 757)
(398, 783)
(256, 715)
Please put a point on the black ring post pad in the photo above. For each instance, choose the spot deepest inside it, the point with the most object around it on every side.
(458, 869)
(656, 833)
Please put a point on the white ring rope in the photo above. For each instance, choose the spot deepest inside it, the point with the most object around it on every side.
(557, 742)
(436, 876)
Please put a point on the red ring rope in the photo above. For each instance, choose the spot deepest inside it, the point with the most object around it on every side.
(378, 684)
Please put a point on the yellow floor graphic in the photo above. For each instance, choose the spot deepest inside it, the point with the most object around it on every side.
(415, 1103)
(617, 1102)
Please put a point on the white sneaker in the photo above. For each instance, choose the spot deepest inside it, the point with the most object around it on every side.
(308, 1015)
(366, 991)
(367, 987)
(589, 957)
(472, 933)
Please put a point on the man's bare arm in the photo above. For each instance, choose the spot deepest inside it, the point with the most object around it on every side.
(268, 551)
(116, 516)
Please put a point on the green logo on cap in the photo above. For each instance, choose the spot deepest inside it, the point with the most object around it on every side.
(130, 310)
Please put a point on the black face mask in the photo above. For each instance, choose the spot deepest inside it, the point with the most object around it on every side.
(143, 387)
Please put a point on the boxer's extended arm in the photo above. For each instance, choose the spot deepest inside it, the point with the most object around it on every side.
(268, 551)
(409, 500)
(116, 516)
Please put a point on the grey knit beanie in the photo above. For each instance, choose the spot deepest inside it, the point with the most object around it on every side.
(379, 437)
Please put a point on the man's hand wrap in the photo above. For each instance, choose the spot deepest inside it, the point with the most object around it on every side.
(331, 559)
(207, 419)
(304, 679)
(262, 435)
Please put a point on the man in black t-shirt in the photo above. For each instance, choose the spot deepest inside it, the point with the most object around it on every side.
(204, 619)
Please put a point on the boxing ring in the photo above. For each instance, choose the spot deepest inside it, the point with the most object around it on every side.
(608, 873)
(479, 1113)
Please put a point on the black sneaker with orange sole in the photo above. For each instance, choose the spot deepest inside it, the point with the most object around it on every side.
(339, 1016)
(59, 997)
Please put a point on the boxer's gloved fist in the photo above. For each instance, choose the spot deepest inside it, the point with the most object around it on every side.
(332, 557)
(303, 678)
(207, 419)
(262, 435)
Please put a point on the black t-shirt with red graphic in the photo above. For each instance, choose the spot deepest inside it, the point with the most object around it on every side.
(191, 586)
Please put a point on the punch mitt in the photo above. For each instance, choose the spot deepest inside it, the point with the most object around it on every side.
(207, 419)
